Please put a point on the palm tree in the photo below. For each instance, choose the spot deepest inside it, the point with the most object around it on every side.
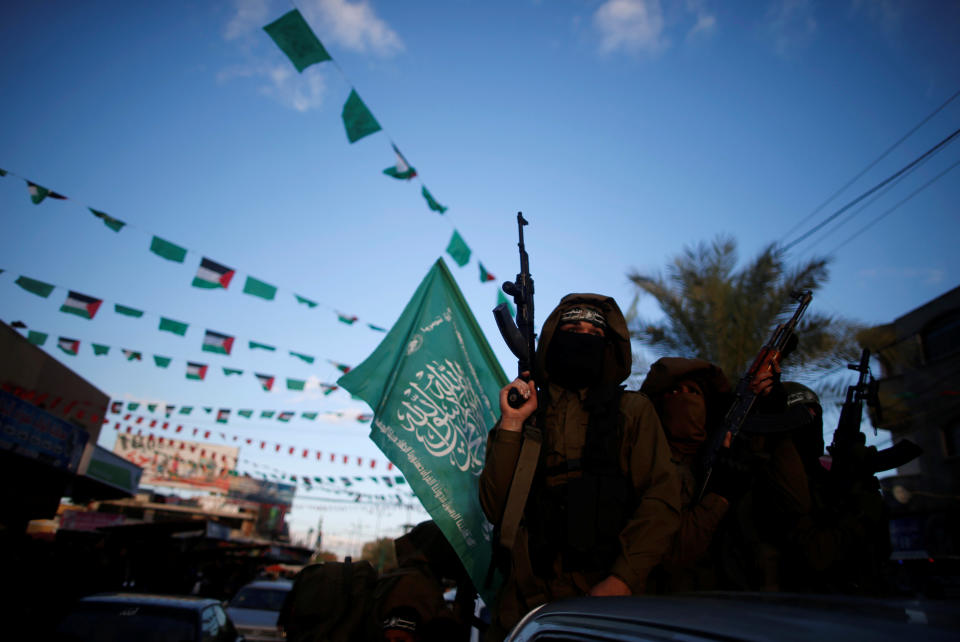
(715, 312)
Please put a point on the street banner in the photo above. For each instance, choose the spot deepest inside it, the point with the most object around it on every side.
(179, 464)
(433, 385)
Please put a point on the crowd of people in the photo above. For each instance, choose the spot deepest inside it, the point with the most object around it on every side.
(595, 490)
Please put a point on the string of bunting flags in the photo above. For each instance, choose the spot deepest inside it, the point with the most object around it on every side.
(390, 481)
(86, 306)
(293, 35)
(262, 444)
(223, 415)
(210, 275)
(194, 370)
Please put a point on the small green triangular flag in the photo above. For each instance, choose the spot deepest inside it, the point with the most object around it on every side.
(99, 349)
(295, 38)
(168, 250)
(113, 223)
(305, 357)
(357, 119)
(245, 413)
(295, 384)
(37, 338)
(262, 346)
(35, 287)
(186, 410)
(376, 327)
(163, 362)
(432, 202)
(267, 414)
(132, 406)
(258, 288)
(232, 371)
(306, 301)
(309, 415)
(458, 249)
(176, 327)
(127, 311)
(152, 407)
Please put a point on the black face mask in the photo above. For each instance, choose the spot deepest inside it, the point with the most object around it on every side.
(575, 360)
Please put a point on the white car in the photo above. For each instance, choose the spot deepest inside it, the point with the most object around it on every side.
(256, 607)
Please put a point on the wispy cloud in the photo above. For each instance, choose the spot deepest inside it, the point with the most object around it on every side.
(640, 26)
(705, 21)
(354, 25)
(339, 24)
(633, 26)
(790, 24)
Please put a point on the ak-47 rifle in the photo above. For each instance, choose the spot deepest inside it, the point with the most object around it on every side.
(744, 396)
(848, 440)
(519, 336)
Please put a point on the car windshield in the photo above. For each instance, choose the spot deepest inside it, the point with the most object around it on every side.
(263, 599)
(121, 622)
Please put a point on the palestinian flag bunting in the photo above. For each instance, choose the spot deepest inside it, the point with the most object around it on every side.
(81, 305)
(132, 355)
(38, 193)
(70, 346)
(196, 371)
(216, 342)
(285, 416)
(223, 415)
(340, 366)
(265, 380)
(402, 170)
(349, 319)
(327, 388)
(484, 275)
(211, 275)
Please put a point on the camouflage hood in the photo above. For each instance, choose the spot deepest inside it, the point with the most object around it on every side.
(666, 372)
(617, 358)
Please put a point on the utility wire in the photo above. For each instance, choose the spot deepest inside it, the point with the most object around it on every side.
(912, 194)
(870, 166)
(873, 189)
(873, 199)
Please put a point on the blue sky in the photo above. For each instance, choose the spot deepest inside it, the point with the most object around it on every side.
(624, 130)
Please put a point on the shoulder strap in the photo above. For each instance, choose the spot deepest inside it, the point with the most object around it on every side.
(520, 486)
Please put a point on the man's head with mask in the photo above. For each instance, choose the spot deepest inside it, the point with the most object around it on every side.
(575, 355)
(690, 396)
(584, 342)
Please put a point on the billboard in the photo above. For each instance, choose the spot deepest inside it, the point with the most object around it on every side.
(31, 432)
(179, 464)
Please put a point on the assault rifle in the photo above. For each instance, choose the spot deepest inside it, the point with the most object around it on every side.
(744, 396)
(848, 440)
(519, 336)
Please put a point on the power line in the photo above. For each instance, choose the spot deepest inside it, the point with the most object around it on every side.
(869, 167)
(912, 194)
(873, 189)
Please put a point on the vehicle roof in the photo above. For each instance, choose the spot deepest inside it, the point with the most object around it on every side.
(744, 616)
(269, 584)
(189, 602)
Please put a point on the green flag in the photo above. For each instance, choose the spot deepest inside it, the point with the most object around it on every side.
(127, 311)
(99, 349)
(36, 338)
(357, 118)
(295, 38)
(305, 301)
(114, 224)
(35, 287)
(432, 202)
(168, 250)
(458, 250)
(295, 384)
(176, 327)
(258, 288)
(433, 384)
(254, 345)
(162, 362)
(304, 357)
